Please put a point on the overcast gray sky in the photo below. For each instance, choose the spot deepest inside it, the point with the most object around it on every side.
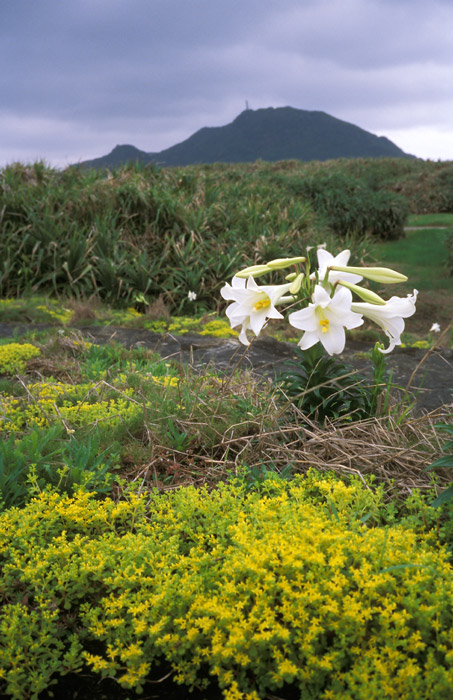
(79, 77)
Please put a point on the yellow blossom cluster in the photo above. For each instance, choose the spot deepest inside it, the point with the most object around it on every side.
(76, 404)
(61, 315)
(48, 310)
(166, 380)
(14, 356)
(219, 329)
(122, 316)
(260, 589)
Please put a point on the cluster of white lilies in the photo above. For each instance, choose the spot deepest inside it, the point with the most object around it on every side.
(326, 296)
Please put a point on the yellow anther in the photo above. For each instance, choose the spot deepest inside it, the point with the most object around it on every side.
(262, 304)
(324, 323)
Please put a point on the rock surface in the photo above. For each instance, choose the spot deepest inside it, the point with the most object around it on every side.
(431, 378)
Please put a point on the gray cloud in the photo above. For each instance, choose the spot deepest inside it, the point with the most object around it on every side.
(83, 75)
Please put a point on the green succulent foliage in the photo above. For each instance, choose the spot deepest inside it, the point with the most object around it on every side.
(444, 462)
(324, 387)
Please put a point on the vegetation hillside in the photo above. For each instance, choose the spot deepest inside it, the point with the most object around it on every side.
(133, 231)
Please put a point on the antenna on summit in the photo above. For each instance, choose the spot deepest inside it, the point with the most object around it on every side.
(247, 105)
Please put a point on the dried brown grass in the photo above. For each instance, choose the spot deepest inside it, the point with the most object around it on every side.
(83, 310)
(393, 450)
(158, 309)
(396, 454)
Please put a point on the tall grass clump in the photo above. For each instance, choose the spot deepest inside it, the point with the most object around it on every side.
(350, 206)
(138, 231)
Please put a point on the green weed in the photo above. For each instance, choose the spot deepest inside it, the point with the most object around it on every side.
(324, 387)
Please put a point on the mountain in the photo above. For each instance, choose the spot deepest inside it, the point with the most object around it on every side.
(271, 134)
(119, 156)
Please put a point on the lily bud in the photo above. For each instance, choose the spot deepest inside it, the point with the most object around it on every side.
(365, 294)
(296, 285)
(281, 263)
(292, 276)
(253, 271)
(384, 275)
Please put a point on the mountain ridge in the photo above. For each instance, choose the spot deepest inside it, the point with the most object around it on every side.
(268, 134)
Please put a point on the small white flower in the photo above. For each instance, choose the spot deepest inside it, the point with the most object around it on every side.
(252, 304)
(435, 328)
(389, 316)
(192, 296)
(326, 259)
(325, 319)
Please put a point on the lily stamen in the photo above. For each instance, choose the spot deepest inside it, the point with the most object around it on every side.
(262, 304)
(324, 323)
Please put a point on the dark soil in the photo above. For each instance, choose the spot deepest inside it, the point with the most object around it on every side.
(91, 687)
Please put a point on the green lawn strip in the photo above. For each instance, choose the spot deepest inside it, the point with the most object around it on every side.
(421, 255)
(443, 219)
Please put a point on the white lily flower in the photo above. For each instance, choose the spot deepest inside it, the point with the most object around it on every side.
(192, 296)
(325, 319)
(252, 305)
(435, 328)
(326, 259)
(389, 316)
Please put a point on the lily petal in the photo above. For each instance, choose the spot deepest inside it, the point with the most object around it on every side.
(252, 305)
(326, 259)
(389, 316)
(325, 319)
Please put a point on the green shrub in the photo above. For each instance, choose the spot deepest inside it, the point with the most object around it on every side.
(140, 233)
(444, 186)
(350, 206)
(256, 591)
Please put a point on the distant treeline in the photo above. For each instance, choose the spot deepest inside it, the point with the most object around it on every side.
(139, 233)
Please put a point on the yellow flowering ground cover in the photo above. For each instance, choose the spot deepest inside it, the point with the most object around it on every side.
(14, 356)
(180, 325)
(77, 404)
(251, 590)
(38, 309)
